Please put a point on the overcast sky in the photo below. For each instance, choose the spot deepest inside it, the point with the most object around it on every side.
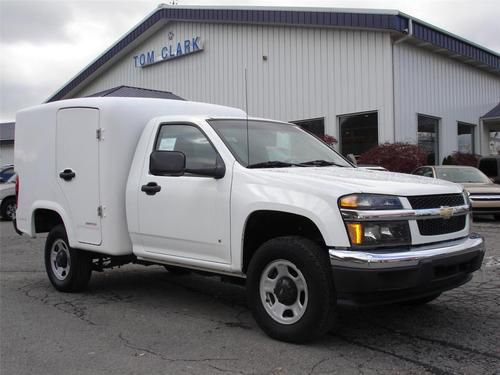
(43, 44)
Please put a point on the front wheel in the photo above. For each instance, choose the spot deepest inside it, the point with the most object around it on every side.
(68, 269)
(290, 289)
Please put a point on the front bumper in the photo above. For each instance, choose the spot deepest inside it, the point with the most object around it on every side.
(376, 277)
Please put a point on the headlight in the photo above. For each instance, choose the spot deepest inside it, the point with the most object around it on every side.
(370, 202)
(373, 234)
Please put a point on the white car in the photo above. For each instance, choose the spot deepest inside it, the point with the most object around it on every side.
(8, 199)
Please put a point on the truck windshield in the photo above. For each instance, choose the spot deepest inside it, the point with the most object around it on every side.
(274, 145)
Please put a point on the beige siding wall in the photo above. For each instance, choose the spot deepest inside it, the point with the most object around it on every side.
(308, 73)
(432, 84)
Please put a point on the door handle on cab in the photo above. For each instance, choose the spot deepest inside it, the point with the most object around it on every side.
(151, 188)
(67, 175)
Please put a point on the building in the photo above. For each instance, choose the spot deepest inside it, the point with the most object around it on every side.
(7, 130)
(363, 76)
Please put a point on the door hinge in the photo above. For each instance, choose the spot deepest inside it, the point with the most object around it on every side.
(98, 134)
(100, 211)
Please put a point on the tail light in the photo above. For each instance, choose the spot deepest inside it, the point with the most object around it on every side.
(17, 191)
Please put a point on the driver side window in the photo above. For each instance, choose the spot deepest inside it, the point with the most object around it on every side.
(189, 140)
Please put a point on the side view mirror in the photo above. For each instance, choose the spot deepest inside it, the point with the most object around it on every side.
(167, 163)
(216, 172)
(173, 163)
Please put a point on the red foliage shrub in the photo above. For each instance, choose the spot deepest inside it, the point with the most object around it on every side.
(329, 139)
(461, 158)
(396, 157)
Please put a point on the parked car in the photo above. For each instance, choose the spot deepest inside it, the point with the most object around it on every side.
(6, 171)
(490, 166)
(8, 199)
(483, 193)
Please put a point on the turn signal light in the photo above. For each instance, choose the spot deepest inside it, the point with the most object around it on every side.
(355, 233)
(350, 201)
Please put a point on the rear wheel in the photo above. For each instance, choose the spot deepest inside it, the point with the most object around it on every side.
(8, 208)
(290, 289)
(68, 269)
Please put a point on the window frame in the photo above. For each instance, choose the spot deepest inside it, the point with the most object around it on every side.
(437, 151)
(473, 134)
(339, 125)
(218, 157)
(299, 122)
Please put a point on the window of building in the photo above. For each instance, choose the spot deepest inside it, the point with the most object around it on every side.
(465, 134)
(428, 137)
(358, 132)
(314, 126)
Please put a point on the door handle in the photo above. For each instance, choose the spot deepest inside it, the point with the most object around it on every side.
(151, 188)
(67, 175)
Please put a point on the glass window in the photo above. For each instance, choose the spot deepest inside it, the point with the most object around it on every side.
(428, 137)
(314, 126)
(494, 143)
(425, 171)
(358, 133)
(465, 134)
(280, 143)
(188, 139)
(462, 175)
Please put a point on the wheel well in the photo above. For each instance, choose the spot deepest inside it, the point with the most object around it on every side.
(263, 225)
(45, 220)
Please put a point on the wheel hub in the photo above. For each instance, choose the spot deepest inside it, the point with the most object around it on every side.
(62, 259)
(286, 291)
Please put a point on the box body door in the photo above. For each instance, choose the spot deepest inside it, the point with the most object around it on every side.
(77, 153)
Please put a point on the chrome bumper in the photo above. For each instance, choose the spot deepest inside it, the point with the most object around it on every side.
(405, 258)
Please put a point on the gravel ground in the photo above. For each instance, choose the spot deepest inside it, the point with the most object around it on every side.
(143, 320)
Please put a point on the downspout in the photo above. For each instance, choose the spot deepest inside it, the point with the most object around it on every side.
(409, 34)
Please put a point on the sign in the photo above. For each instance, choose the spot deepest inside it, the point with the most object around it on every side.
(168, 52)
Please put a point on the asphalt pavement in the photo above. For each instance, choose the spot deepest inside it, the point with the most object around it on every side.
(144, 320)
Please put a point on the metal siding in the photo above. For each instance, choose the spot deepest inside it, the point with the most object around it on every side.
(309, 73)
(431, 84)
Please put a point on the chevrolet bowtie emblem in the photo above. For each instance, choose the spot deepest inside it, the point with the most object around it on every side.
(446, 212)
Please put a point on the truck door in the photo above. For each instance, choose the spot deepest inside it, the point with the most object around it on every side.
(187, 216)
(77, 168)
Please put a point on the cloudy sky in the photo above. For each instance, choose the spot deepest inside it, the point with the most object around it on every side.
(43, 44)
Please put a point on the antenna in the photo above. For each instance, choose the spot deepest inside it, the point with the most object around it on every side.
(246, 111)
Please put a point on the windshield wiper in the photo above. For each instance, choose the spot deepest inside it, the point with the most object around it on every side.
(321, 163)
(274, 164)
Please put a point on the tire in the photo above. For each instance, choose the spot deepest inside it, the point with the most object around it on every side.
(174, 270)
(8, 208)
(299, 278)
(421, 301)
(497, 217)
(68, 269)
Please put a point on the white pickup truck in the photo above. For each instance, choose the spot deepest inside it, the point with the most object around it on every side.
(202, 187)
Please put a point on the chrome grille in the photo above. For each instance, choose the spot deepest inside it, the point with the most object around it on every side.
(436, 201)
(434, 227)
